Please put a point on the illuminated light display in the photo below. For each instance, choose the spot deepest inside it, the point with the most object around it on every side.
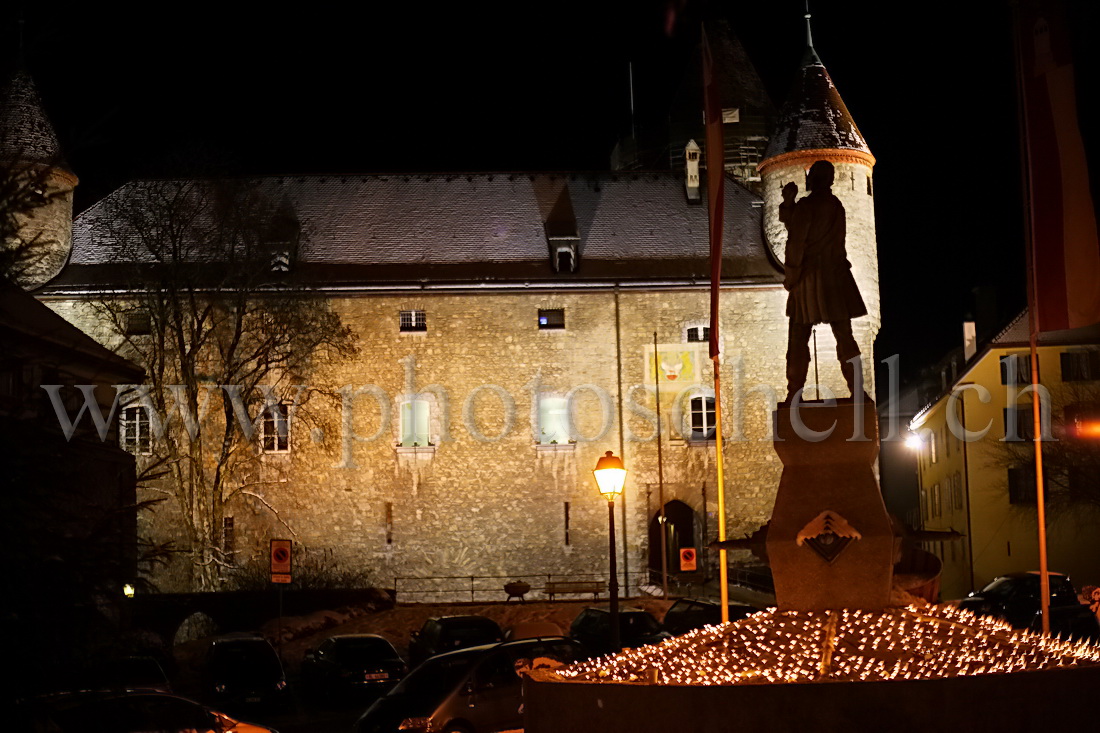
(850, 645)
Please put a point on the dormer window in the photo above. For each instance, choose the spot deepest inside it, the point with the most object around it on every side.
(280, 260)
(565, 258)
(691, 181)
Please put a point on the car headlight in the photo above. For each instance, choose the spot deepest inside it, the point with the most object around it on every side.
(422, 725)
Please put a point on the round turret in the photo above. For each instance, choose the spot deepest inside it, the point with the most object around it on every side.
(31, 159)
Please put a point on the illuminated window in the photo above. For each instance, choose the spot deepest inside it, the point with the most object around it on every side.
(275, 435)
(702, 418)
(551, 318)
(134, 431)
(553, 421)
(413, 321)
(415, 419)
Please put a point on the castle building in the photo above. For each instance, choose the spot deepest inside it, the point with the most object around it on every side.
(512, 327)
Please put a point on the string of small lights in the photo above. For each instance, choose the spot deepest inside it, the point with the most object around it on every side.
(850, 645)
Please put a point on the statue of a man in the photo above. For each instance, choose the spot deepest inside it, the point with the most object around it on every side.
(818, 276)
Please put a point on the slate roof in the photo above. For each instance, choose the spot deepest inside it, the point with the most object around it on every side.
(814, 115)
(482, 227)
(25, 132)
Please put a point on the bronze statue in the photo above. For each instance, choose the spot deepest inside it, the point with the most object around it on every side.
(818, 276)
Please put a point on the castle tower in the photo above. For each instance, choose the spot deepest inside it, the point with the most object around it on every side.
(813, 125)
(31, 158)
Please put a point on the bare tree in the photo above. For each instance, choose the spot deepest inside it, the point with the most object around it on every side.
(1071, 461)
(213, 308)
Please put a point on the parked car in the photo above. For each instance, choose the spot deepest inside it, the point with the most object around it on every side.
(694, 613)
(532, 630)
(243, 670)
(129, 673)
(351, 664)
(449, 633)
(475, 690)
(1015, 598)
(127, 712)
(637, 627)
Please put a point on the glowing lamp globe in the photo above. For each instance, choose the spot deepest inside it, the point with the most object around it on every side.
(610, 475)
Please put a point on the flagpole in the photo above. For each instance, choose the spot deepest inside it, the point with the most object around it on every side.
(663, 521)
(1033, 339)
(712, 113)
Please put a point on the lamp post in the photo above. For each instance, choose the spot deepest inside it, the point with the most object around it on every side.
(610, 477)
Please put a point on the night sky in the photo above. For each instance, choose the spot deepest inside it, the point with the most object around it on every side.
(543, 86)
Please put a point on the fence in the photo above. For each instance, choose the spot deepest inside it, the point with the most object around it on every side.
(486, 588)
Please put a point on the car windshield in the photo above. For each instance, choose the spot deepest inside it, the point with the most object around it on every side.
(471, 634)
(251, 661)
(637, 624)
(436, 677)
(363, 651)
(999, 588)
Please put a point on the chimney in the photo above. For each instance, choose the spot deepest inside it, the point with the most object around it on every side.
(691, 183)
(970, 340)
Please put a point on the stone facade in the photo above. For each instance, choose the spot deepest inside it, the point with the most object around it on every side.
(486, 499)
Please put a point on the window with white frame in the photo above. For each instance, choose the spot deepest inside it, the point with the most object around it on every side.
(415, 421)
(135, 432)
(275, 433)
(702, 418)
(413, 321)
(553, 420)
(697, 334)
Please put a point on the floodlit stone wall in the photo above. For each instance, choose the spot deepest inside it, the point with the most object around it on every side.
(485, 498)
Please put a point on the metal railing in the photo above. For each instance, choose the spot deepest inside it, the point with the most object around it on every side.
(488, 588)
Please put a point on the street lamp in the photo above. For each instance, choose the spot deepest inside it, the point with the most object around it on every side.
(610, 477)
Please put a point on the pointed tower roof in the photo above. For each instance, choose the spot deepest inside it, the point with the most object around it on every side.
(26, 134)
(814, 116)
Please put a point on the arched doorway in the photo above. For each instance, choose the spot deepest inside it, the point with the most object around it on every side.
(679, 532)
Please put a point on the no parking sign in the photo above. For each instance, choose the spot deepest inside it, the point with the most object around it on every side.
(687, 559)
(280, 560)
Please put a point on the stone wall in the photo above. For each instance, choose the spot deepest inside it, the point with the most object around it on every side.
(484, 498)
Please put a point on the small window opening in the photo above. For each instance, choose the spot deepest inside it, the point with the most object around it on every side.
(412, 321)
(551, 318)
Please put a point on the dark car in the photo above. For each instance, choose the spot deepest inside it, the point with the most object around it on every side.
(637, 627)
(127, 712)
(449, 633)
(129, 673)
(1015, 598)
(352, 664)
(475, 690)
(694, 613)
(244, 671)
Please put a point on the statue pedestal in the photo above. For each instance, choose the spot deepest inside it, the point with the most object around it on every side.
(830, 543)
